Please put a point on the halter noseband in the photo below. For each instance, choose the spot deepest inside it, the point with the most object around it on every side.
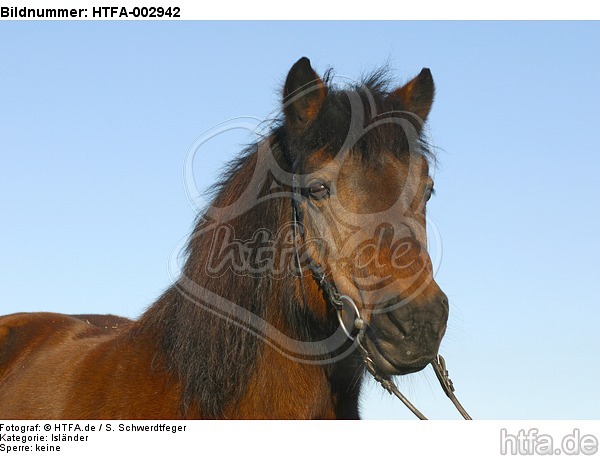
(337, 300)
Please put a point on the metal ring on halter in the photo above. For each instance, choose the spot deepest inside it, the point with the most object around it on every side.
(359, 323)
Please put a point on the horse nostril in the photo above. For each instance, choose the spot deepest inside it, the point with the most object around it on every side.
(444, 302)
(404, 326)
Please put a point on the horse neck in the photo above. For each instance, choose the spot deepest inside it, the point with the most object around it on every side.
(221, 334)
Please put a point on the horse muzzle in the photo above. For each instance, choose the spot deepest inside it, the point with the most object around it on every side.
(405, 339)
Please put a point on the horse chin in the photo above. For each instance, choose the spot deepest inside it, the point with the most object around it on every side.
(389, 364)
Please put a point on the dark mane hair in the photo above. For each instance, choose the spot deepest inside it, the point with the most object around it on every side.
(213, 354)
(370, 101)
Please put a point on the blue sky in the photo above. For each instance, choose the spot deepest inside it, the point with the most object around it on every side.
(96, 120)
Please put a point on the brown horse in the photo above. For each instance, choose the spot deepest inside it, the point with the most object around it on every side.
(311, 257)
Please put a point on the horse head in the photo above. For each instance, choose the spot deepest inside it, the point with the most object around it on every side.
(361, 182)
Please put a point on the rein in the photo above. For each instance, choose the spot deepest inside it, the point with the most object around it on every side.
(337, 300)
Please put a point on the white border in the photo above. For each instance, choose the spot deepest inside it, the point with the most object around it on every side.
(346, 10)
(301, 438)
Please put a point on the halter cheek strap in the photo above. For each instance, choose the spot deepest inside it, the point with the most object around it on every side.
(336, 299)
(356, 333)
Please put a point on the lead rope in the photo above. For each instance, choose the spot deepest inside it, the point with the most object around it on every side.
(439, 367)
(337, 300)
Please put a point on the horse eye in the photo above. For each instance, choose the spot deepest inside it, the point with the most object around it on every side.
(318, 191)
(430, 191)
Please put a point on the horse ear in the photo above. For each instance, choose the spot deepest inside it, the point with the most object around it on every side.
(417, 94)
(303, 94)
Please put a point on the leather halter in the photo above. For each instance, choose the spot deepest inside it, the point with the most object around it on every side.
(356, 333)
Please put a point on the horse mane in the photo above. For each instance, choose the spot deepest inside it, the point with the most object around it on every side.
(213, 355)
(332, 128)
